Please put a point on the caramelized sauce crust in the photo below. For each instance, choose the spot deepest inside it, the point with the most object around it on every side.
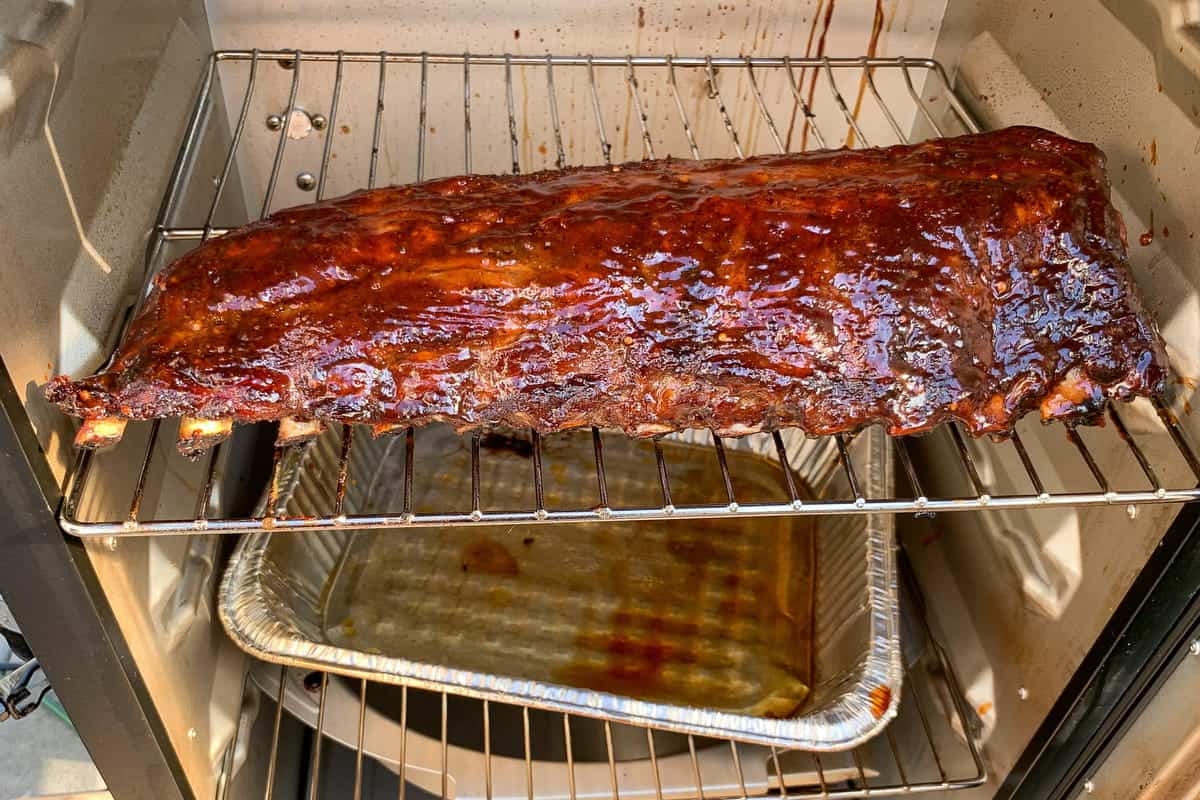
(972, 278)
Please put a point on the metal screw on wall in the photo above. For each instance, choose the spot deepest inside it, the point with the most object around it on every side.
(306, 181)
(299, 124)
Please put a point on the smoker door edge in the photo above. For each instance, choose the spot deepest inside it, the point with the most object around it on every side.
(49, 584)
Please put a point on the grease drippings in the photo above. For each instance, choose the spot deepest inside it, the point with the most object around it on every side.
(872, 49)
(487, 556)
(812, 31)
(812, 85)
(714, 613)
(1147, 238)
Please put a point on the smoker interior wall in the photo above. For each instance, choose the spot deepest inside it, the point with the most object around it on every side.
(1023, 596)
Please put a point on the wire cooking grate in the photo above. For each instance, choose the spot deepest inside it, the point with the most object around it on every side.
(895, 104)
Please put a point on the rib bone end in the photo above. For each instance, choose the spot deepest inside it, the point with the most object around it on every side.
(100, 432)
(295, 431)
(196, 436)
(388, 429)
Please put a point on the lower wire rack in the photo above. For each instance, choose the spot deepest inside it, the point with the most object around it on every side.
(371, 740)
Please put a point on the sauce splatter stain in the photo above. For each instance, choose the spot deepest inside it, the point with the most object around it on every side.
(517, 33)
(626, 661)
(881, 699)
(488, 557)
(698, 551)
(1154, 152)
(641, 19)
(812, 85)
(812, 30)
(499, 597)
(345, 129)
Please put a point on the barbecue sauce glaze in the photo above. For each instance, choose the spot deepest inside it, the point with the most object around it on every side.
(972, 278)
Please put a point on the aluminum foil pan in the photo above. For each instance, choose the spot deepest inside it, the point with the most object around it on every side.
(779, 630)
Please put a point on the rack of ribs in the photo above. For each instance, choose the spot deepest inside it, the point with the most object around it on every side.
(973, 279)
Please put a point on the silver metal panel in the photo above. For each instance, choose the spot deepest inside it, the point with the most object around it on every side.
(92, 108)
(1158, 758)
(1027, 592)
(771, 28)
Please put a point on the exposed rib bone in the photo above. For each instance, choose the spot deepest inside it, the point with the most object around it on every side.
(388, 429)
(199, 435)
(100, 432)
(295, 431)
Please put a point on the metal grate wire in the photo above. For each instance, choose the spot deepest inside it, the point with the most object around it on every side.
(981, 495)
(929, 747)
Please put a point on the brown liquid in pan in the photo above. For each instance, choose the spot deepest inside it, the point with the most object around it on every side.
(709, 613)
